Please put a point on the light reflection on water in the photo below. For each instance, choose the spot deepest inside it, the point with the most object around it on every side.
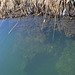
(29, 49)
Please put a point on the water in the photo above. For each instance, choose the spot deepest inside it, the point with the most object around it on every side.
(27, 48)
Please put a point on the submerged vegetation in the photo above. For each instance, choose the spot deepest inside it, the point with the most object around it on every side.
(65, 64)
(39, 41)
(40, 36)
(43, 50)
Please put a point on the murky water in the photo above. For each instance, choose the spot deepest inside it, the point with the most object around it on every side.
(30, 47)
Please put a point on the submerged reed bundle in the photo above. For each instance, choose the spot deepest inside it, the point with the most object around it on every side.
(18, 8)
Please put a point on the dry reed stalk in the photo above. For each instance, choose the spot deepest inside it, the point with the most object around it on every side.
(54, 27)
(14, 26)
(48, 7)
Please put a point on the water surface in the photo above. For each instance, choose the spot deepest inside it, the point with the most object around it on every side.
(29, 48)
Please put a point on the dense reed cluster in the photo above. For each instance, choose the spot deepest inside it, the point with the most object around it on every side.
(19, 8)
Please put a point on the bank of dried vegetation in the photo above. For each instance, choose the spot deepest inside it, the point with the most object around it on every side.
(47, 8)
(20, 8)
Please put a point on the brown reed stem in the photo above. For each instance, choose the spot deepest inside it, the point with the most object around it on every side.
(54, 27)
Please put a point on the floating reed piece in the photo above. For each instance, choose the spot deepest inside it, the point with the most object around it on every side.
(14, 26)
(18, 8)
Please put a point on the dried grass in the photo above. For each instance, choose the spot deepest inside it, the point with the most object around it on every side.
(29, 7)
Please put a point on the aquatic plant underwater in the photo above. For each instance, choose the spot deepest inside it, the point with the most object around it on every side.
(38, 45)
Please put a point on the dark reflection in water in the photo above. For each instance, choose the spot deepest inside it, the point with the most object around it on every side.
(27, 47)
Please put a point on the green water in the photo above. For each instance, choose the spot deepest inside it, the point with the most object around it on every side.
(29, 48)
